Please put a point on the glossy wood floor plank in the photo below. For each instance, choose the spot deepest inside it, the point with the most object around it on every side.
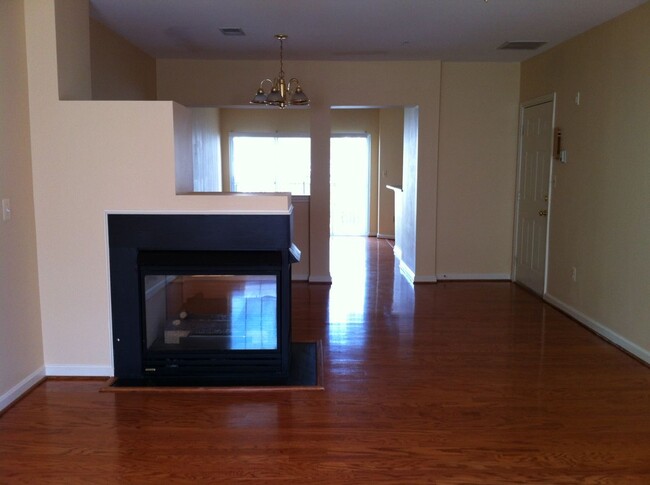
(453, 383)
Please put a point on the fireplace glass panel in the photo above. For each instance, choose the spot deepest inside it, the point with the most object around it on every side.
(210, 312)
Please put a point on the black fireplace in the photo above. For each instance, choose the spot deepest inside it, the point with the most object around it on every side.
(201, 299)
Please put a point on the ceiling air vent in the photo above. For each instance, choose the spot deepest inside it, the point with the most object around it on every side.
(232, 31)
(522, 45)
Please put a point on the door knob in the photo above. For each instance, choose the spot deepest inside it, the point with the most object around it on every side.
(543, 213)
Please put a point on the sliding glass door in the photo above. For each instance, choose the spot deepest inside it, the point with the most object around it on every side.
(349, 185)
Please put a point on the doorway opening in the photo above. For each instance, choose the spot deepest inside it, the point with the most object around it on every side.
(350, 185)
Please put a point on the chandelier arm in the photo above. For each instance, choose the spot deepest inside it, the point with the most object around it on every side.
(293, 84)
(264, 81)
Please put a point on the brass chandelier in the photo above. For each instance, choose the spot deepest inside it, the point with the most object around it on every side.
(281, 93)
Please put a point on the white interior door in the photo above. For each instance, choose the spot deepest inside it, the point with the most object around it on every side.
(533, 191)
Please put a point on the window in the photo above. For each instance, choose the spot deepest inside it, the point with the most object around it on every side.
(262, 163)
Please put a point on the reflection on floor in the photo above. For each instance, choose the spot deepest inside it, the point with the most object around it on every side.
(360, 291)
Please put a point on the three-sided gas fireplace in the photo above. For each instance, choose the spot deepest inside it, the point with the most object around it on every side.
(201, 299)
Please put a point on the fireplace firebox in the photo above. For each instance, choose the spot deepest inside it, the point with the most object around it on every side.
(201, 299)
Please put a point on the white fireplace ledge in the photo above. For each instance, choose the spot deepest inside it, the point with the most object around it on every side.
(218, 203)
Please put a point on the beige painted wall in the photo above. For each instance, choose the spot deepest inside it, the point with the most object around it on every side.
(391, 147)
(90, 157)
(93, 156)
(376, 84)
(73, 56)
(319, 199)
(479, 111)
(119, 70)
(300, 271)
(405, 218)
(21, 348)
(601, 199)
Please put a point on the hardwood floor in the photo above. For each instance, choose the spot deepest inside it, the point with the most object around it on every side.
(452, 383)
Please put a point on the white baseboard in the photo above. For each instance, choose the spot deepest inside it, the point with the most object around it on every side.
(600, 329)
(475, 276)
(321, 279)
(425, 279)
(21, 388)
(300, 277)
(385, 236)
(79, 371)
(411, 277)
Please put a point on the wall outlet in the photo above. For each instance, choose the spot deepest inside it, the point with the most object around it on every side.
(574, 273)
(6, 210)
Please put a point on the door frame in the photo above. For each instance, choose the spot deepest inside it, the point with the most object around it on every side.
(528, 104)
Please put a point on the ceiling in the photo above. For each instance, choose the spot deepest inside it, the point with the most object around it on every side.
(452, 30)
